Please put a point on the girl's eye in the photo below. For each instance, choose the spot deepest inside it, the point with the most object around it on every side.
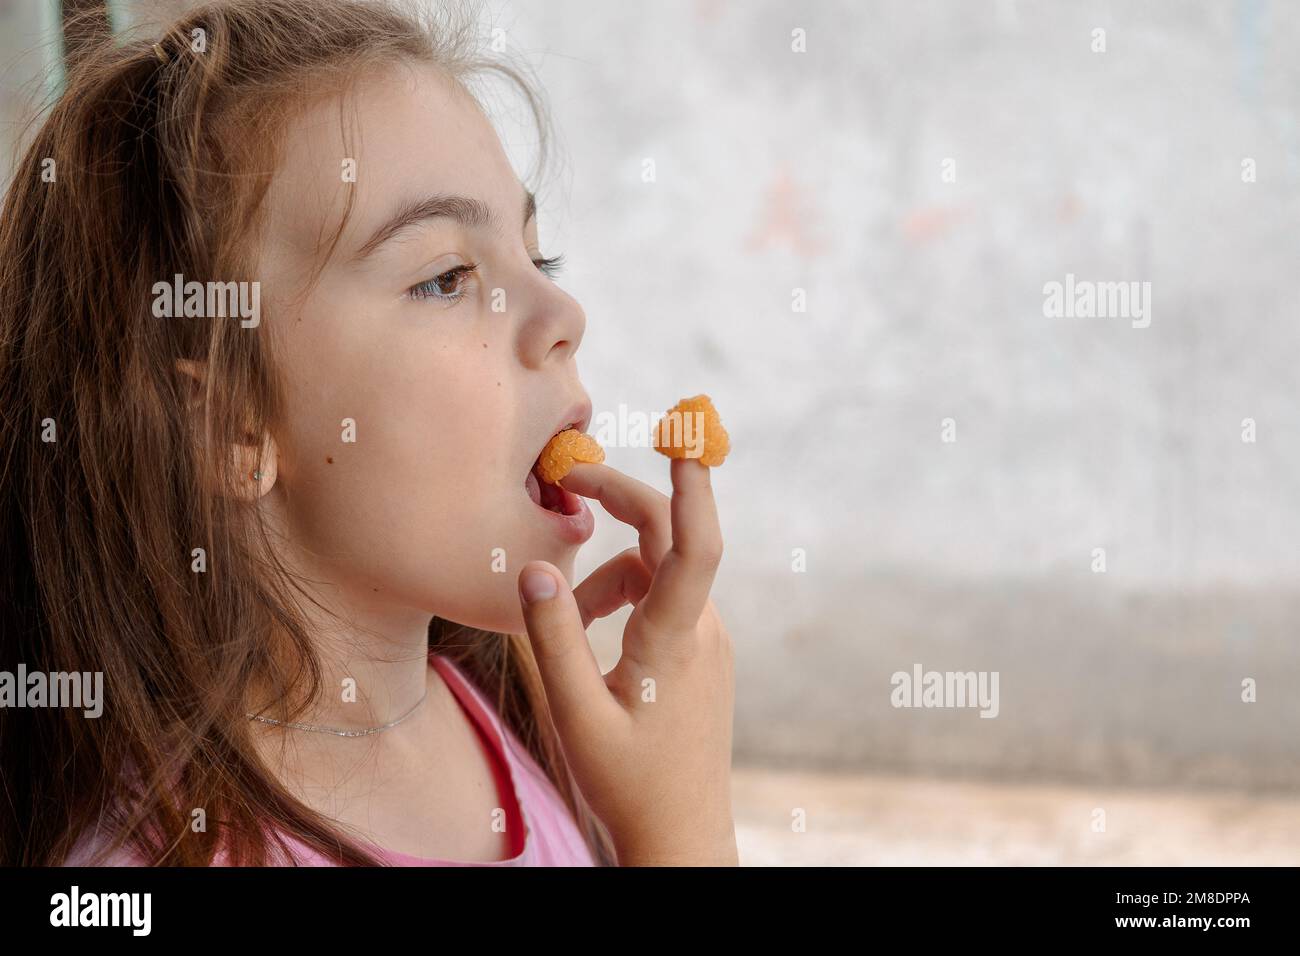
(449, 286)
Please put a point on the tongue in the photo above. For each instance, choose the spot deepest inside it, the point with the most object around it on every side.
(553, 498)
(548, 496)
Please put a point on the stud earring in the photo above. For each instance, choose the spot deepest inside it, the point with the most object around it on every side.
(257, 476)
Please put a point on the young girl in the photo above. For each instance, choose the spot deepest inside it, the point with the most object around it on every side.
(274, 513)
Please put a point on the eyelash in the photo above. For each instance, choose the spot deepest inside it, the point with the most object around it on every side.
(549, 267)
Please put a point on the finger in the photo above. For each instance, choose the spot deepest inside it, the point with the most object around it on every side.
(575, 690)
(623, 579)
(630, 501)
(682, 582)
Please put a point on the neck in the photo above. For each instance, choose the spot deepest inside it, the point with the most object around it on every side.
(373, 658)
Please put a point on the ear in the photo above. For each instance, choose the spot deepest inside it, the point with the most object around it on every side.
(252, 462)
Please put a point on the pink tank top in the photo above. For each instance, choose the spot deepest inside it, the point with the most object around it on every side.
(546, 834)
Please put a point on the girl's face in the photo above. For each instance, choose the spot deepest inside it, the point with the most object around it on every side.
(427, 367)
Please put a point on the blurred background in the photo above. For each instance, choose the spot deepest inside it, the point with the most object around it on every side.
(838, 220)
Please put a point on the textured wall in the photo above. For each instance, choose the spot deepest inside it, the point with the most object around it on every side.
(824, 171)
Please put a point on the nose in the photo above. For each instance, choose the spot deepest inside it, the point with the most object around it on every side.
(553, 328)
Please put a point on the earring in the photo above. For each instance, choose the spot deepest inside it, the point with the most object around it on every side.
(257, 476)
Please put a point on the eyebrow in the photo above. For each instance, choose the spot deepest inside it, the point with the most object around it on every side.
(469, 212)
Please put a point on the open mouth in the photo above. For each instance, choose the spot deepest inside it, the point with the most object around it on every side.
(551, 497)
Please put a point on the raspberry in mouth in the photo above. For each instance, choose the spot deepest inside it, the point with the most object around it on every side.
(566, 447)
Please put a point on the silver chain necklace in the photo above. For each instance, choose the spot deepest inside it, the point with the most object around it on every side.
(336, 731)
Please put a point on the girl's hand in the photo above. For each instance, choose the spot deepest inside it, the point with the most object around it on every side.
(649, 743)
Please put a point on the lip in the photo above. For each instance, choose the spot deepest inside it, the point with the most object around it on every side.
(577, 525)
(575, 528)
(578, 416)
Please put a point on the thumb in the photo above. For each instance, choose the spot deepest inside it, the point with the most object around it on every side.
(575, 689)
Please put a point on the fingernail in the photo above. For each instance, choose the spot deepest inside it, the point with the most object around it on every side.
(536, 585)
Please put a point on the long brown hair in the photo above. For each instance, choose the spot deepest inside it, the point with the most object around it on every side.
(154, 162)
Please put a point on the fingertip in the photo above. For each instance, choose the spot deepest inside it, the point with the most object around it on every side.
(538, 581)
(581, 477)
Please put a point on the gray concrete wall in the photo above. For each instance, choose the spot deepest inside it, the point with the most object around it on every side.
(824, 171)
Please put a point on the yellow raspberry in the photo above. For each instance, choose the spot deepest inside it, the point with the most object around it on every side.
(692, 429)
(560, 453)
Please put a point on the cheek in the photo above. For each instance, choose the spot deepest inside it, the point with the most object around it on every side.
(426, 402)
(466, 425)
(402, 462)
(436, 439)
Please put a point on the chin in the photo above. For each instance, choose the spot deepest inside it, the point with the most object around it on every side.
(496, 607)
(565, 563)
(500, 611)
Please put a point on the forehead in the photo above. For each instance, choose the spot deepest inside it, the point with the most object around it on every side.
(408, 133)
